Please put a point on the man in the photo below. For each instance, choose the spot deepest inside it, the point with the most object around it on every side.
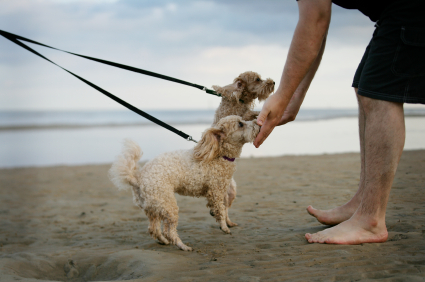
(392, 72)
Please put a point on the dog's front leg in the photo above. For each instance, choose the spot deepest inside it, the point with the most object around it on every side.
(228, 200)
(216, 204)
(250, 115)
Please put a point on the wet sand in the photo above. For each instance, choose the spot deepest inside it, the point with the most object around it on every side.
(70, 224)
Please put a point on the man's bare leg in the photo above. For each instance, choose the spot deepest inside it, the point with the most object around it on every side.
(384, 137)
(344, 212)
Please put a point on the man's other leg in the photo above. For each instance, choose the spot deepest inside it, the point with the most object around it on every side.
(342, 213)
(384, 135)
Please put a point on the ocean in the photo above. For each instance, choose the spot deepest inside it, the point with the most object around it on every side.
(51, 138)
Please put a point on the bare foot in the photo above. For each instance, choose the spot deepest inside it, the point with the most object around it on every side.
(333, 216)
(350, 232)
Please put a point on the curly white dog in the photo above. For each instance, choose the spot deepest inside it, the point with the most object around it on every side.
(204, 171)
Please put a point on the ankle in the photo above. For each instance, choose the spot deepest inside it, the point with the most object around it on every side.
(370, 222)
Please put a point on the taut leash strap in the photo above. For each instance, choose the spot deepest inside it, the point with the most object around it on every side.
(117, 65)
(14, 38)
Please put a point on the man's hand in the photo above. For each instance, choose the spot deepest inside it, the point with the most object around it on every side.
(269, 117)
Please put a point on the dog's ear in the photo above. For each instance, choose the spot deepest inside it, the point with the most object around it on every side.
(225, 92)
(208, 147)
(218, 89)
(239, 87)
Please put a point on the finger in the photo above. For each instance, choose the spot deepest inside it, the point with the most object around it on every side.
(265, 131)
(262, 116)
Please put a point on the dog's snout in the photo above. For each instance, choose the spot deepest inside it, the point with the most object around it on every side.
(270, 82)
(255, 127)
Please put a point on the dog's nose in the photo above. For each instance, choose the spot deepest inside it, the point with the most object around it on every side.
(274, 83)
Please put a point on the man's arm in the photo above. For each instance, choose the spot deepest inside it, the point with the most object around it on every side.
(306, 46)
(297, 99)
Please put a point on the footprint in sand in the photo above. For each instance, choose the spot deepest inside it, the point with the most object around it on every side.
(71, 269)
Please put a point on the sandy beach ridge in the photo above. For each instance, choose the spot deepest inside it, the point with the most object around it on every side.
(68, 223)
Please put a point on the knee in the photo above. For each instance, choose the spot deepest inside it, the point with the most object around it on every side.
(372, 106)
(368, 105)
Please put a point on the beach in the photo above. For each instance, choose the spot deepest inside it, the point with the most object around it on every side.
(69, 223)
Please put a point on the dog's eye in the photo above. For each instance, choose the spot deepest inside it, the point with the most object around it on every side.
(258, 79)
(240, 124)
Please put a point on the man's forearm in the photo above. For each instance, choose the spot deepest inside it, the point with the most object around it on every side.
(305, 52)
(299, 94)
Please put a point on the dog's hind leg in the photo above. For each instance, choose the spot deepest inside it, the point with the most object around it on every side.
(170, 231)
(171, 216)
(155, 229)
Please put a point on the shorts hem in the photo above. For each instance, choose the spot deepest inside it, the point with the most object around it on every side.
(389, 97)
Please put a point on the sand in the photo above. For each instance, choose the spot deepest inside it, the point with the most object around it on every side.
(70, 224)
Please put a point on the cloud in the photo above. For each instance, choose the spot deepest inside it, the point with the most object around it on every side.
(205, 42)
(185, 24)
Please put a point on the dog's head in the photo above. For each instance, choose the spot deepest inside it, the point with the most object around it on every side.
(247, 87)
(226, 138)
(250, 86)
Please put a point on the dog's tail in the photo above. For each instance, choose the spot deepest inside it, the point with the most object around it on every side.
(124, 172)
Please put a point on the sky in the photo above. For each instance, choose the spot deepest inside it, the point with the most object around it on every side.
(203, 42)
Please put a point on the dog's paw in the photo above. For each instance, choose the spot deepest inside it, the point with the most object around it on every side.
(163, 242)
(225, 230)
(231, 224)
(185, 248)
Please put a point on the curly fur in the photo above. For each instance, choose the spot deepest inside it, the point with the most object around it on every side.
(199, 172)
(248, 86)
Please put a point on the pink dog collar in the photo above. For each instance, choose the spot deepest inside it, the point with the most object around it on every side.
(229, 159)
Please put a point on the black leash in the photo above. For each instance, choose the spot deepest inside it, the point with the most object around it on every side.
(14, 38)
(9, 35)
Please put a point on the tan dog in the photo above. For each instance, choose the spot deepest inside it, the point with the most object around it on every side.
(247, 87)
(205, 171)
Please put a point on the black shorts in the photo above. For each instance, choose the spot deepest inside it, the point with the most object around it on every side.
(393, 65)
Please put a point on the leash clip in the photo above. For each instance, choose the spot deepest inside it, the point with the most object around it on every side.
(191, 139)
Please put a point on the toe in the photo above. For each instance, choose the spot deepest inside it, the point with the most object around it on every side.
(311, 210)
(309, 237)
